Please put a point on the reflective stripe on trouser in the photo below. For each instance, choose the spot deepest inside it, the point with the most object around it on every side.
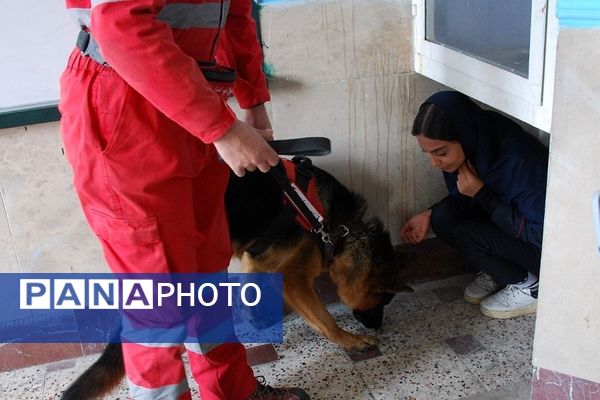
(153, 194)
(218, 377)
(179, 391)
(157, 372)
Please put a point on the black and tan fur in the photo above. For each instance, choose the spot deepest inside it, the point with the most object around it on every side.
(364, 268)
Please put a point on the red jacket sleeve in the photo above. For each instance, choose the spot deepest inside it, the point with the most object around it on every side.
(241, 50)
(142, 50)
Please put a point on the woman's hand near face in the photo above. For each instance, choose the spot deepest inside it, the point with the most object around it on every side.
(415, 229)
(468, 182)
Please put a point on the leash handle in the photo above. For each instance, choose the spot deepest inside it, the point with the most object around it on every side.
(308, 146)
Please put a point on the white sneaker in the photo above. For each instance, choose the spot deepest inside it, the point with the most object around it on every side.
(510, 302)
(480, 288)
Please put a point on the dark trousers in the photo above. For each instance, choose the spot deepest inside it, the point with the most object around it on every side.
(485, 246)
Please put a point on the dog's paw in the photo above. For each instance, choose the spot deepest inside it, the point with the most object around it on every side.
(367, 341)
(358, 342)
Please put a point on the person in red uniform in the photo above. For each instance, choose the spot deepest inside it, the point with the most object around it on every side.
(143, 130)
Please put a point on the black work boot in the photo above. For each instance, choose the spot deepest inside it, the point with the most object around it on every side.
(266, 392)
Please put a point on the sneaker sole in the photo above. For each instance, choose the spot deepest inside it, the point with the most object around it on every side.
(477, 300)
(530, 309)
(472, 300)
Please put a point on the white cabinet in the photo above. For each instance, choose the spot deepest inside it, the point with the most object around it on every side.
(501, 53)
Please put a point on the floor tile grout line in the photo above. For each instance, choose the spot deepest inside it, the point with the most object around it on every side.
(462, 360)
(471, 372)
(10, 230)
(44, 384)
(362, 378)
(487, 389)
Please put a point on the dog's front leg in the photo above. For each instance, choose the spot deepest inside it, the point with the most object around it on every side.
(299, 294)
(304, 300)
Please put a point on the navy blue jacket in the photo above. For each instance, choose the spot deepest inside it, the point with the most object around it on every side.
(512, 164)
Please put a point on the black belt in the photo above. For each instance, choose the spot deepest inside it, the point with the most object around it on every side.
(212, 73)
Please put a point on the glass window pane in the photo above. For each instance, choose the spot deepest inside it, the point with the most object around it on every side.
(493, 31)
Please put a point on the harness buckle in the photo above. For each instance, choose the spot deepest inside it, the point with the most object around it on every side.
(325, 237)
(345, 229)
(328, 246)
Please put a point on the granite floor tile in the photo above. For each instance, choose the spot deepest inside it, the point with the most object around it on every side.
(420, 300)
(431, 371)
(515, 391)
(465, 344)
(448, 294)
(23, 384)
(324, 377)
(497, 368)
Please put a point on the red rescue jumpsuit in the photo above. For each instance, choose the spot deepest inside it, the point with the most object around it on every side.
(138, 136)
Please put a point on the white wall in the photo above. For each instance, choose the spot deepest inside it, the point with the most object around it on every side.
(567, 337)
(342, 69)
(36, 37)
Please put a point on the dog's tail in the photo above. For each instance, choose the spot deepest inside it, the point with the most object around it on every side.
(103, 376)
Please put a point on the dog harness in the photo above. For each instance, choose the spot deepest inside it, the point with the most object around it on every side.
(302, 205)
(299, 173)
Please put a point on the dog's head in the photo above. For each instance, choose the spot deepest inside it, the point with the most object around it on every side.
(367, 272)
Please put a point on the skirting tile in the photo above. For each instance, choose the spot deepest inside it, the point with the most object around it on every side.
(550, 385)
(16, 356)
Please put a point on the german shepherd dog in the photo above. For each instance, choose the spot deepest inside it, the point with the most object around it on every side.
(364, 267)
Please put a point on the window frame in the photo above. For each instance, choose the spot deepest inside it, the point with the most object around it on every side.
(528, 99)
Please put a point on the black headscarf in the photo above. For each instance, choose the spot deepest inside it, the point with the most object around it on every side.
(508, 160)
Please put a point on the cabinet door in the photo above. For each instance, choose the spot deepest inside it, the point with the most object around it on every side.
(495, 51)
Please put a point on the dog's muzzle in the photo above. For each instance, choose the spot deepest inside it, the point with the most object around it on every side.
(373, 317)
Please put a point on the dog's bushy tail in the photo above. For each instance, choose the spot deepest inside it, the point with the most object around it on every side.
(103, 376)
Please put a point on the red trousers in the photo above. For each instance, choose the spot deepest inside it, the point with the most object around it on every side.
(154, 196)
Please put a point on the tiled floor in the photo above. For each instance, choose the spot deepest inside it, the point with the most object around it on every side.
(433, 344)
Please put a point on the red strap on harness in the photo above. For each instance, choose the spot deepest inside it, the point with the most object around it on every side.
(311, 193)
